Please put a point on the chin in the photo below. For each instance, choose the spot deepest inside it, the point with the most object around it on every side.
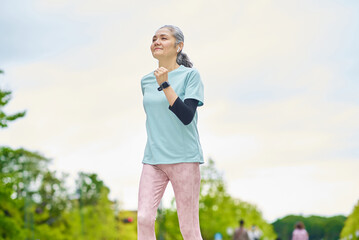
(157, 56)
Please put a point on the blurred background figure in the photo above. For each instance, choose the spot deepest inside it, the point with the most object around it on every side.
(299, 232)
(254, 233)
(218, 236)
(240, 233)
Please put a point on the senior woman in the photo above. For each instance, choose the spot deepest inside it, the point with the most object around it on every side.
(171, 95)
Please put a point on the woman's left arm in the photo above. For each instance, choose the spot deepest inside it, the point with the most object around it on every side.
(184, 110)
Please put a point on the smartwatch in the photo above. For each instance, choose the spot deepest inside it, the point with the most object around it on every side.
(163, 86)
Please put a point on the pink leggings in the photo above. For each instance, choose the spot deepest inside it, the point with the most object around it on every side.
(185, 179)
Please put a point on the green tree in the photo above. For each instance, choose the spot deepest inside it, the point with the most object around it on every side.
(19, 170)
(96, 211)
(53, 197)
(10, 217)
(51, 206)
(351, 226)
(13, 182)
(35, 203)
(5, 97)
(318, 227)
(333, 227)
(24, 209)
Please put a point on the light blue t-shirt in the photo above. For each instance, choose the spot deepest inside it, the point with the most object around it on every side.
(168, 139)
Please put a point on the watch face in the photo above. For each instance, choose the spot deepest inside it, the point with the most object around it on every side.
(165, 85)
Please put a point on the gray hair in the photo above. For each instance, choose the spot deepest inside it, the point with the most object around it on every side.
(182, 58)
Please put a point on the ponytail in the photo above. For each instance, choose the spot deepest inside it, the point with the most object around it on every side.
(183, 59)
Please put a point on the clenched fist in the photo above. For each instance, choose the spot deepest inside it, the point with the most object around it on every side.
(161, 74)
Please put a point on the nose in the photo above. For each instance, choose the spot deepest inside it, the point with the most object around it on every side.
(156, 42)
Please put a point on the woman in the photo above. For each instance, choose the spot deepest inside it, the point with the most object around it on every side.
(173, 152)
(299, 232)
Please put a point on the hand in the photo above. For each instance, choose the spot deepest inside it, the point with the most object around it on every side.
(161, 75)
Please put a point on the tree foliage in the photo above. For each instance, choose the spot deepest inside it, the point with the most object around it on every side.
(327, 228)
(5, 97)
(35, 203)
(351, 226)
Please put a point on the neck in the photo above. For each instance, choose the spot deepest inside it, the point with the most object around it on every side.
(169, 64)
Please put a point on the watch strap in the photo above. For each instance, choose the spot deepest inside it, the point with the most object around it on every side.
(163, 86)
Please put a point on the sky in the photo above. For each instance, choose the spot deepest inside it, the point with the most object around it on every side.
(281, 109)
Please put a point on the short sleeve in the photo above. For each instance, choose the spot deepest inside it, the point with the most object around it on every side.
(142, 87)
(194, 87)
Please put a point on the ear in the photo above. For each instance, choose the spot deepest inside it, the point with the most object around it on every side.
(180, 45)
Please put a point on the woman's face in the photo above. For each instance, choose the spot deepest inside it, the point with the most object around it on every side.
(163, 44)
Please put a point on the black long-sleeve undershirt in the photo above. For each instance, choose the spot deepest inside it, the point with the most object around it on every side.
(184, 110)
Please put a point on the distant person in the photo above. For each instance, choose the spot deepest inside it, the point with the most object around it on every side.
(254, 233)
(173, 153)
(240, 233)
(218, 236)
(299, 232)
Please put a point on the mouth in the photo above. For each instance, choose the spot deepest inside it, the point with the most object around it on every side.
(158, 49)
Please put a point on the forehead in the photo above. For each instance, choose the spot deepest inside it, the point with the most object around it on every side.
(163, 32)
